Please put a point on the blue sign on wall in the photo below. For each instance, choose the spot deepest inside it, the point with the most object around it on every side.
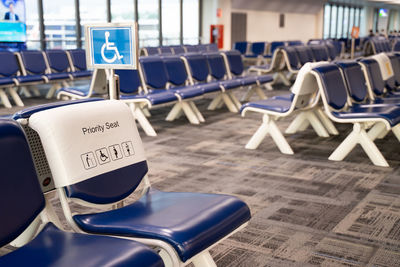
(111, 47)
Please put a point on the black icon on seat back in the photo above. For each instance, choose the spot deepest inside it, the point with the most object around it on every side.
(116, 152)
(127, 147)
(88, 160)
(102, 155)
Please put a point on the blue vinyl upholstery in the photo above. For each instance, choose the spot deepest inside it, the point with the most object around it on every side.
(155, 97)
(375, 76)
(320, 52)
(355, 80)
(176, 70)
(129, 81)
(154, 71)
(273, 104)
(8, 64)
(165, 50)
(191, 49)
(30, 78)
(190, 222)
(53, 247)
(33, 61)
(292, 56)
(151, 51)
(304, 54)
(58, 60)
(78, 57)
(241, 47)
(394, 60)
(198, 66)
(178, 50)
(212, 47)
(6, 81)
(257, 48)
(275, 45)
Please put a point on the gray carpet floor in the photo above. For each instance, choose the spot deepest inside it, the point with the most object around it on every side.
(306, 210)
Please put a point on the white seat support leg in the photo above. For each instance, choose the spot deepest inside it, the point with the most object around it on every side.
(52, 90)
(301, 122)
(4, 99)
(359, 136)
(316, 124)
(396, 131)
(246, 97)
(326, 122)
(214, 103)
(377, 130)
(190, 114)
(196, 111)
(25, 91)
(204, 260)
(228, 102)
(15, 97)
(260, 93)
(283, 78)
(235, 100)
(298, 122)
(141, 118)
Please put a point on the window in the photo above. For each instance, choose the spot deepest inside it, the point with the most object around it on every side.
(60, 26)
(327, 19)
(149, 28)
(333, 22)
(346, 22)
(171, 20)
(122, 10)
(339, 20)
(190, 21)
(32, 25)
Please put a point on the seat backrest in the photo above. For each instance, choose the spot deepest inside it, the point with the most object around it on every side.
(332, 51)
(374, 75)
(275, 45)
(101, 160)
(212, 47)
(202, 48)
(176, 70)
(235, 62)
(333, 85)
(394, 60)
(191, 49)
(152, 51)
(154, 71)
(258, 48)
(58, 60)
(295, 42)
(165, 50)
(386, 70)
(21, 199)
(320, 52)
(129, 81)
(33, 61)
(8, 64)
(78, 58)
(178, 49)
(241, 47)
(396, 46)
(292, 56)
(198, 66)
(304, 54)
(216, 64)
(355, 80)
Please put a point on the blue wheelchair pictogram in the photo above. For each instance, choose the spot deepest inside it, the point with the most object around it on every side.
(111, 46)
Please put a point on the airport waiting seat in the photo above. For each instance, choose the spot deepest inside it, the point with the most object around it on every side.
(256, 53)
(34, 65)
(77, 59)
(203, 66)
(335, 98)
(332, 52)
(320, 52)
(242, 47)
(182, 225)
(9, 79)
(304, 54)
(303, 99)
(212, 47)
(150, 51)
(294, 43)
(24, 205)
(271, 48)
(58, 62)
(387, 72)
(165, 50)
(155, 78)
(178, 49)
(396, 46)
(191, 49)
(202, 48)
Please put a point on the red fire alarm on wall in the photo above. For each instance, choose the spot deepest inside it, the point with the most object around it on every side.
(219, 12)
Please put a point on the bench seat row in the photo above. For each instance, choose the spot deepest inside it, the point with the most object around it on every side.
(178, 49)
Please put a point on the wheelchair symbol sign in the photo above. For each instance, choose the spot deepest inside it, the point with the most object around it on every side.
(111, 46)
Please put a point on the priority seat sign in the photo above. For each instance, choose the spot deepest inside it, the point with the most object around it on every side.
(111, 46)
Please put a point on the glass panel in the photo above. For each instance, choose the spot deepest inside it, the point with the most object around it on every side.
(190, 21)
(92, 11)
(122, 10)
(333, 22)
(327, 20)
(32, 25)
(357, 17)
(339, 22)
(170, 22)
(60, 28)
(346, 22)
(148, 23)
(351, 20)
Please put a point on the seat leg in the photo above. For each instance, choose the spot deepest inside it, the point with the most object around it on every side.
(396, 131)
(228, 102)
(298, 122)
(141, 118)
(248, 94)
(376, 131)
(259, 135)
(328, 124)
(316, 124)
(25, 91)
(190, 115)
(279, 139)
(52, 90)
(359, 135)
(15, 97)
(196, 111)
(172, 115)
(268, 86)
(283, 78)
(4, 99)
(260, 92)
(203, 260)
(146, 112)
(35, 91)
(235, 100)
(214, 103)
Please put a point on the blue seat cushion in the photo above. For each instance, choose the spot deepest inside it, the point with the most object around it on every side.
(210, 87)
(80, 74)
(251, 56)
(6, 81)
(264, 78)
(155, 97)
(30, 78)
(391, 114)
(230, 84)
(276, 105)
(248, 80)
(288, 97)
(190, 222)
(53, 247)
(188, 91)
(78, 90)
(58, 76)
